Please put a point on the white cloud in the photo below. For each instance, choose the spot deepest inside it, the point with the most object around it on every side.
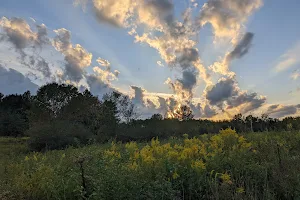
(160, 63)
(103, 62)
(289, 59)
(296, 74)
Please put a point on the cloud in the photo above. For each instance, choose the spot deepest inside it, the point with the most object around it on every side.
(105, 75)
(18, 32)
(174, 40)
(77, 58)
(100, 82)
(242, 47)
(202, 111)
(117, 73)
(138, 95)
(150, 103)
(209, 112)
(227, 95)
(13, 82)
(247, 101)
(227, 16)
(177, 48)
(159, 63)
(103, 62)
(128, 13)
(240, 50)
(289, 59)
(97, 86)
(279, 111)
(43, 66)
(224, 89)
(296, 74)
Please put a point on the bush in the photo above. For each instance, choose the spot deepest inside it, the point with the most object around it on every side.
(12, 124)
(58, 135)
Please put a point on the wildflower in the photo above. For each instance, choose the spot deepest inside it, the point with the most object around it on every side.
(131, 147)
(133, 166)
(175, 175)
(155, 142)
(226, 178)
(35, 158)
(26, 158)
(186, 136)
(240, 190)
(198, 165)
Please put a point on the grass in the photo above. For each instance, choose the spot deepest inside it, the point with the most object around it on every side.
(223, 166)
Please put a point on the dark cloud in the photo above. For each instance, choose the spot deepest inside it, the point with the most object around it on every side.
(42, 35)
(242, 47)
(18, 32)
(43, 66)
(163, 8)
(187, 57)
(188, 79)
(13, 82)
(209, 111)
(163, 107)
(279, 111)
(252, 101)
(97, 86)
(138, 95)
(226, 92)
(76, 57)
(223, 90)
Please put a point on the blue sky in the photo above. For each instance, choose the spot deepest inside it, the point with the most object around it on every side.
(274, 24)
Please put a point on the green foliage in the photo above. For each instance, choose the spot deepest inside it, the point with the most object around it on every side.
(58, 135)
(221, 166)
(13, 114)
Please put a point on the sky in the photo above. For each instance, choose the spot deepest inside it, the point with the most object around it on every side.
(219, 57)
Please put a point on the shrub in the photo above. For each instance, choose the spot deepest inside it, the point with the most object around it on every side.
(12, 124)
(58, 135)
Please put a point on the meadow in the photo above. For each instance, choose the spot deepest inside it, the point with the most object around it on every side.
(220, 166)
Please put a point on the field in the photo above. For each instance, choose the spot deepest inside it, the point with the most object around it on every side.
(223, 166)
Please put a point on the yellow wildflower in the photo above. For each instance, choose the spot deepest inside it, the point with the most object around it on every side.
(240, 190)
(226, 178)
(198, 165)
(175, 175)
(133, 166)
(26, 158)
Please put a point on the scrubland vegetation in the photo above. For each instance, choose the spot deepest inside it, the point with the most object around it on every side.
(64, 144)
(220, 166)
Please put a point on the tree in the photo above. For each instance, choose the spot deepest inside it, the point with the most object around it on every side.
(184, 113)
(52, 97)
(249, 120)
(1, 96)
(85, 109)
(157, 117)
(14, 114)
(126, 110)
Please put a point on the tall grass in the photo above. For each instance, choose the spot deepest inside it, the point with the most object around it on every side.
(222, 166)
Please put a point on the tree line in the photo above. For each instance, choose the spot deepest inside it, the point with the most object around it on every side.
(59, 115)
